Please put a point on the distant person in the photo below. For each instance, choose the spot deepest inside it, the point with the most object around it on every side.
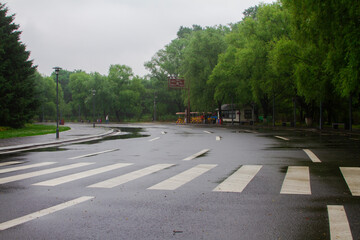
(107, 119)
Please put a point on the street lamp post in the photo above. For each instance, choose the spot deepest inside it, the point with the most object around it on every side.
(155, 106)
(93, 93)
(57, 69)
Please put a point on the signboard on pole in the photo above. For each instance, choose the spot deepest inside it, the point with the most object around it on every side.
(179, 83)
(176, 82)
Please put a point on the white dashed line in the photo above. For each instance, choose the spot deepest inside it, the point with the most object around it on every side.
(202, 152)
(311, 155)
(154, 139)
(93, 154)
(283, 138)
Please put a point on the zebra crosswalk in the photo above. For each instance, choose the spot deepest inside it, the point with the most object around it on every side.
(183, 178)
(76, 176)
(41, 172)
(296, 180)
(351, 176)
(239, 180)
(113, 182)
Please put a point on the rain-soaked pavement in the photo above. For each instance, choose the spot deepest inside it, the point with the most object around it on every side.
(163, 181)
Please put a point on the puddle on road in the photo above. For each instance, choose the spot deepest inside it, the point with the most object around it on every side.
(10, 188)
(126, 133)
(49, 149)
(18, 156)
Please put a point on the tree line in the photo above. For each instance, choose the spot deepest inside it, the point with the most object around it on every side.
(291, 60)
(288, 60)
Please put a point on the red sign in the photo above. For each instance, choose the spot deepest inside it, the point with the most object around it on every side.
(176, 82)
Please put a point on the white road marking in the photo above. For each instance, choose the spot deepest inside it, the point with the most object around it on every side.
(283, 138)
(41, 172)
(154, 139)
(163, 133)
(76, 176)
(183, 178)
(41, 213)
(338, 222)
(297, 181)
(311, 155)
(238, 180)
(352, 178)
(207, 132)
(218, 138)
(10, 163)
(113, 182)
(93, 154)
(202, 152)
(13, 169)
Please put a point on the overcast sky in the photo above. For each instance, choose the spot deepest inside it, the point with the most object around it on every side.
(93, 34)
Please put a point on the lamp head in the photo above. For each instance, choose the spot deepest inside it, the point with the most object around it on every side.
(57, 69)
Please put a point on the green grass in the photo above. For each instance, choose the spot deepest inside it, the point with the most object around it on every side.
(29, 130)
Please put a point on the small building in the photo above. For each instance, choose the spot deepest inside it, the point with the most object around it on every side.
(240, 115)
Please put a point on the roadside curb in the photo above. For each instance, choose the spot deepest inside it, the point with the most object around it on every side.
(24, 147)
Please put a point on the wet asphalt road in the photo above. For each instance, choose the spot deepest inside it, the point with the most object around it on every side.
(136, 206)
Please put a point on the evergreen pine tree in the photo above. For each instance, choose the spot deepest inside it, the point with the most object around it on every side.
(17, 87)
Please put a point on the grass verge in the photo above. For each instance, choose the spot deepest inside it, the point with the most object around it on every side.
(29, 130)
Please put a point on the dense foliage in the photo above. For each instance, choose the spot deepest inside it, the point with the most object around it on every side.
(17, 96)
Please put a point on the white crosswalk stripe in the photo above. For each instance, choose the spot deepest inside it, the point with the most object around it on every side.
(41, 172)
(13, 169)
(239, 180)
(297, 181)
(10, 163)
(41, 213)
(352, 178)
(113, 182)
(76, 176)
(338, 222)
(183, 178)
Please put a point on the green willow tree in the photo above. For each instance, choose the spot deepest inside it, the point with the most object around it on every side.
(328, 34)
(168, 62)
(200, 58)
(17, 83)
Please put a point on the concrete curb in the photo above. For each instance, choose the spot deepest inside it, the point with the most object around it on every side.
(24, 147)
